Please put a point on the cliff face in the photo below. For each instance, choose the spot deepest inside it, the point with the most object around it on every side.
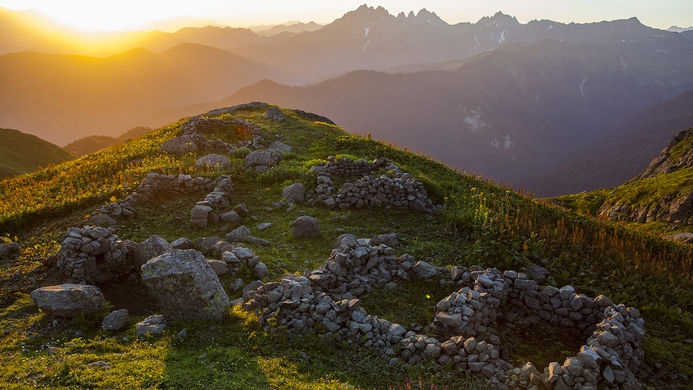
(673, 167)
(678, 155)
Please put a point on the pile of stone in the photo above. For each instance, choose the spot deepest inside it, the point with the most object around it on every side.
(156, 184)
(326, 301)
(206, 212)
(397, 189)
(95, 254)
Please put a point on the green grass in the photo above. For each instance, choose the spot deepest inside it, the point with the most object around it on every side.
(22, 153)
(481, 223)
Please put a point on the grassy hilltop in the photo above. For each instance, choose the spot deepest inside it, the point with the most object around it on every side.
(481, 223)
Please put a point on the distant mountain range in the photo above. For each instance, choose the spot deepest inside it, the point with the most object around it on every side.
(508, 100)
(22, 153)
(65, 97)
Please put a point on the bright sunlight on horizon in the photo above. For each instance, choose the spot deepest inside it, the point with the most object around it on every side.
(123, 15)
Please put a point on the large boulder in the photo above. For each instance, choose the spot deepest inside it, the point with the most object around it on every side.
(306, 226)
(294, 193)
(214, 162)
(185, 286)
(116, 320)
(150, 248)
(69, 300)
(263, 159)
(9, 250)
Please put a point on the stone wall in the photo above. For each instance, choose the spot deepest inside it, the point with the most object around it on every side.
(156, 184)
(207, 211)
(94, 254)
(397, 189)
(326, 301)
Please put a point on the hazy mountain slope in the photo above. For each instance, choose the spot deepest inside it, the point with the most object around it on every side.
(22, 153)
(62, 98)
(94, 143)
(293, 28)
(515, 111)
(626, 151)
(662, 192)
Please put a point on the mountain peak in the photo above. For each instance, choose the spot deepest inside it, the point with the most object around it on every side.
(425, 16)
(499, 19)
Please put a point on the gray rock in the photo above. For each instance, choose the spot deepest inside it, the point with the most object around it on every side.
(573, 366)
(150, 248)
(280, 146)
(184, 144)
(9, 250)
(219, 267)
(347, 239)
(101, 220)
(244, 254)
(537, 272)
(423, 270)
(185, 286)
(390, 239)
(116, 320)
(306, 226)
(608, 375)
(205, 244)
(294, 193)
(151, 325)
(230, 217)
(214, 162)
(263, 158)
(264, 225)
(69, 300)
(238, 234)
(275, 114)
(261, 271)
(182, 243)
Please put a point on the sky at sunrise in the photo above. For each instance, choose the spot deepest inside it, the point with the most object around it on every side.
(108, 15)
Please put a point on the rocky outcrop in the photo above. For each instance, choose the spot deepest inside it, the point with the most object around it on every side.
(275, 114)
(185, 286)
(214, 162)
(69, 300)
(95, 254)
(677, 155)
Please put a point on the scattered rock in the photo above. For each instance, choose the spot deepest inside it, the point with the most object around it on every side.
(116, 320)
(151, 325)
(261, 271)
(306, 226)
(214, 162)
(151, 248)
(294, 193)
(219, 267)
(230, 217)
(280, 146)
(185, 286)
(263, 158)
(69, 300)
(182, 243)
(9, 250)
(238, 234)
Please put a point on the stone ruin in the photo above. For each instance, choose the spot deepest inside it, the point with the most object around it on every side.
(94, 254)
(206, 212)
(156, 184)
(325, 301)
(399, 189)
